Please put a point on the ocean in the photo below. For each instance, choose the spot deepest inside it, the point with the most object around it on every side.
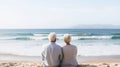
(90, 42)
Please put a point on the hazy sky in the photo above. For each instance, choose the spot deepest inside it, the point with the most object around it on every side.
(58, 13)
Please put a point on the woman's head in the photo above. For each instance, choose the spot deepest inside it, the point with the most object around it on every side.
(67, 39)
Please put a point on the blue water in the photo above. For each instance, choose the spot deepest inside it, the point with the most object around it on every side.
(88, 41)
(61, 31)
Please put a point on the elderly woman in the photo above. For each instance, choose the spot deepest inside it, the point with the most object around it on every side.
(69, 53)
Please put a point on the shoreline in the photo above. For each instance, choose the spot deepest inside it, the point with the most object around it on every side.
(37, 58)
(93, 58)
(83, 61)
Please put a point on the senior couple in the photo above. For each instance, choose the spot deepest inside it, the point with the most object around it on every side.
(54, 55)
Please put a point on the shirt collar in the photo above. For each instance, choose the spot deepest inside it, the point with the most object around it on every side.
(52, 42)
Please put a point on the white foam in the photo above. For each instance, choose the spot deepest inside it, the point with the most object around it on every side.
(85, 49)
(40, 35)
(95, 37)
(98, 49)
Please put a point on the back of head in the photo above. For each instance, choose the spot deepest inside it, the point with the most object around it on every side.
(67, 38)
(52, 37)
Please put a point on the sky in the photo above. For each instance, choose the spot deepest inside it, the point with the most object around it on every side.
(58, 13)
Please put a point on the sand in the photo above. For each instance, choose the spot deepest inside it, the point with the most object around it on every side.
(84, 61)
(101, 63)
(20, 64)
(96, 63)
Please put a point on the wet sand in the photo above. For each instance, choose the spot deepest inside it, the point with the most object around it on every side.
(84, 61)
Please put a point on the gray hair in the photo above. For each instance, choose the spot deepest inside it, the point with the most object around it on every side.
(52, 37)
(67, 38)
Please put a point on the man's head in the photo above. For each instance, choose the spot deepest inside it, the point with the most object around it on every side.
(67, 38)
(52, 37)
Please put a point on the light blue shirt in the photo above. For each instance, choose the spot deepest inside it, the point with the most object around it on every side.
(51, 55)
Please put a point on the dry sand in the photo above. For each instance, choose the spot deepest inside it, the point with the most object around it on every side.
(20, 64)
(97, 63)
(84, 61)
(101, 63)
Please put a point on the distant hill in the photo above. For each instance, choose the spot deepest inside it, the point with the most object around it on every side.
(96, 27)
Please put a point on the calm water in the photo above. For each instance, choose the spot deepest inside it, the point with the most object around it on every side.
(90, 42)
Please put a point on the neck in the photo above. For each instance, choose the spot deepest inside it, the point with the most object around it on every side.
(52, 42)
(67, 43)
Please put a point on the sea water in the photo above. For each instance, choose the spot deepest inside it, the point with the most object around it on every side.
(89, 42)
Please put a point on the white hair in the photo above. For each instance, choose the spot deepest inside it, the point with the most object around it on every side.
(52, 37)
(67, 38)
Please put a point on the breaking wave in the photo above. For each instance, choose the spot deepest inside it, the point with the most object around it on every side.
(61, 38)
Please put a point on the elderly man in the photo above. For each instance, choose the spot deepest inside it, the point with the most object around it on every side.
(52, 53)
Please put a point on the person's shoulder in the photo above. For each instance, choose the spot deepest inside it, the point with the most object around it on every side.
(69, 45)
(73, 46)
(45, 45)
(58, 45)
(64, 46)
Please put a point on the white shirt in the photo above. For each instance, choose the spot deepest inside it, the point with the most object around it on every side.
(51, 55)
(70, 53)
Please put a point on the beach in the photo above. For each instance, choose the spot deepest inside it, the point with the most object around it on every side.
(83, 61)
(96, 47)
(101, 63)
(104, 63)
(89, 42)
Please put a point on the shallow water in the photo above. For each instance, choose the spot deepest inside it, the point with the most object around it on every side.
(90, 42)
